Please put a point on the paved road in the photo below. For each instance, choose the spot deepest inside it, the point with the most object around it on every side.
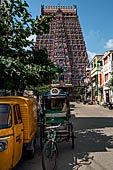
(93, 126)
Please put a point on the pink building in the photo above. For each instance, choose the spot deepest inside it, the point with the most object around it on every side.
(107, 76)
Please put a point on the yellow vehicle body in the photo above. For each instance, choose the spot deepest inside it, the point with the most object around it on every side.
(19, 132)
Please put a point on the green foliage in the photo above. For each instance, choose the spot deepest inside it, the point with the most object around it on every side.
(22, 68)
(39, 90)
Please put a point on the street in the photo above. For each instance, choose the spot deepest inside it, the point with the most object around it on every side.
(93, 127)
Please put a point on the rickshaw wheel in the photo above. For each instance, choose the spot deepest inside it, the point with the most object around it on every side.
(49, 156)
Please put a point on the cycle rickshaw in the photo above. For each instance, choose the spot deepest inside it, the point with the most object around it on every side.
(55, 124)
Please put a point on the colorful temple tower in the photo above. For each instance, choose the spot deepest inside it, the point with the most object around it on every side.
(65, 44)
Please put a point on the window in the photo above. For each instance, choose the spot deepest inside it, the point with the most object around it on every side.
(54, 104)
(61, 78)
(112, 56)
(5, 116)
(74, 47)
(17, 114)
(60, 60)
(60, 46)
(105, 60)
(106, 77)
(99, 63)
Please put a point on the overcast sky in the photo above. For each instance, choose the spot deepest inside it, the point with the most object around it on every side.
(96, 20)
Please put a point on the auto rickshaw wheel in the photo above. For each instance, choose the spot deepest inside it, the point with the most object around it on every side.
(31, 152)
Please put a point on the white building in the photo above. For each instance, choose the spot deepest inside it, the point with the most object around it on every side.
(107, 70)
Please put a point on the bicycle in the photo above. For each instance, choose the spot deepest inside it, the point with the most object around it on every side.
(50, 149)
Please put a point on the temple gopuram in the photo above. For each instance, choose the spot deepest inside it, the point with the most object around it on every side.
(65, 45)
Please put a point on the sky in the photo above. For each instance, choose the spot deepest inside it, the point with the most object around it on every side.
(96, 20)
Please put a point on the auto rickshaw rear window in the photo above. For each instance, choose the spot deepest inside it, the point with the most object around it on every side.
(5, 116)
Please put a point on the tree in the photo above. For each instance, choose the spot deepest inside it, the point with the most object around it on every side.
(22, 68)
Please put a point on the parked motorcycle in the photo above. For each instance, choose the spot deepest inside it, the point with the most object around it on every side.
(110, 106)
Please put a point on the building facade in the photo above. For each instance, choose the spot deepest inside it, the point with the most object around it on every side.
(87, 85)
(107, 75)
(100, 87)
(96, 67)
(65, 44)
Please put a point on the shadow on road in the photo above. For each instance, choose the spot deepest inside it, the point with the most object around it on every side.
(82, 123)
(87, 141)
(93, 141)
(90, 138)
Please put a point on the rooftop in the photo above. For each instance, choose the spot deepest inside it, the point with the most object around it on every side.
(63, 8)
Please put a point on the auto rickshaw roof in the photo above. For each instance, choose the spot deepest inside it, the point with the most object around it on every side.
(8, 102)
(17, 99)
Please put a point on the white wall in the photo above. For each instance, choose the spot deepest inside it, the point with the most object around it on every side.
(108, 69)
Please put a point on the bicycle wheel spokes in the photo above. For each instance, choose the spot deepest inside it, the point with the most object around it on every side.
(49, 156)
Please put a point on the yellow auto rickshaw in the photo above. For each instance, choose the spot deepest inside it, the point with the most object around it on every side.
(18, 128)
